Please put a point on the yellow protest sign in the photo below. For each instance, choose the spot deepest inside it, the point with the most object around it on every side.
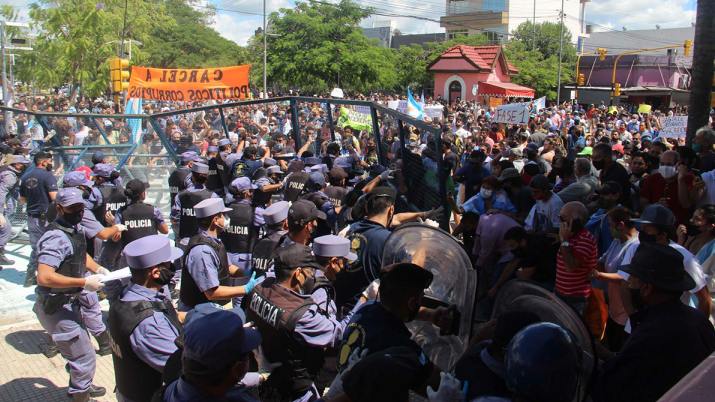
(644, 108)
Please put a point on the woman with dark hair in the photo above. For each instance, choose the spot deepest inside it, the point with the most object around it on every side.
(490, 196)
(700, 232)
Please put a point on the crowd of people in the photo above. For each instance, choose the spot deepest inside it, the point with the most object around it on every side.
(273, 285)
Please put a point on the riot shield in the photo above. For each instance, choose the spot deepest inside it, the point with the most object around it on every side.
(454, 284)
(519, 295)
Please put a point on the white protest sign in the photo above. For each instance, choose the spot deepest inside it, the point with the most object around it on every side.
(674, 126)
(434, 111)
(512, 113)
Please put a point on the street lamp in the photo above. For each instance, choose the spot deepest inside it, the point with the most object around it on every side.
(7, 99)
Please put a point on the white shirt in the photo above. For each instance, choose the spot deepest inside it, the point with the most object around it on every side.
(691, 264)
(544, 216)
(709, 180)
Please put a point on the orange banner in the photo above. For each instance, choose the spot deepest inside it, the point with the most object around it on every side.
(189, 85)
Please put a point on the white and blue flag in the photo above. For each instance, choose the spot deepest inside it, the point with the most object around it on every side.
(414, 109)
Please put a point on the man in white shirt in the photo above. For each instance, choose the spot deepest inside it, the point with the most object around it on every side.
(544, 215)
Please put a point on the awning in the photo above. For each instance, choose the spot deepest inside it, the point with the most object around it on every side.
(504, 90)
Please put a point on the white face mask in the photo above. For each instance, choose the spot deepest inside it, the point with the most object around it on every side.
(486, 193)
(667, 171)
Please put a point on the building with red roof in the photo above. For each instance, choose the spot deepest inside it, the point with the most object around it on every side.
(475, 73)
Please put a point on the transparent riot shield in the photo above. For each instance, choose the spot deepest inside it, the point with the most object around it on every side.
(519, 295)
(454, 284)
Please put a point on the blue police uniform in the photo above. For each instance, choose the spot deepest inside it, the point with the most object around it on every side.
(9, 186)
(36, 187)
(143, 323)
(63, 321)
(211, 348)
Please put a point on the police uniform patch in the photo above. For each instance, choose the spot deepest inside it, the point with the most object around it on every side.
(355, 341)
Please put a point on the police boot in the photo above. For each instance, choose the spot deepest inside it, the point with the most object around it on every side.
(94, 391)
(105, 343)
(3, 259)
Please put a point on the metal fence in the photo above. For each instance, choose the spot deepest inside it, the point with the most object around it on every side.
(140, 146)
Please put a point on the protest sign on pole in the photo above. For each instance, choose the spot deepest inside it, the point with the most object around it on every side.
(188, 85)
(512, 113)
(644, 108)
(674, 126)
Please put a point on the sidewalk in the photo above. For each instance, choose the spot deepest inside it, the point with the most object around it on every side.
(26, 374)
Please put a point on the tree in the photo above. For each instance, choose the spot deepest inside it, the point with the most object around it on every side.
(76, 38)
(316, 46)
(538, 65)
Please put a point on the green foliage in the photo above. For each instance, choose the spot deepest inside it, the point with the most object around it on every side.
(317, 46)
(538, 65)
(76, 38)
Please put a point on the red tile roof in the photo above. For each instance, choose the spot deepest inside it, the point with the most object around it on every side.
(480, 57)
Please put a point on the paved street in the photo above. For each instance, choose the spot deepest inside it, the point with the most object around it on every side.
(26, 374)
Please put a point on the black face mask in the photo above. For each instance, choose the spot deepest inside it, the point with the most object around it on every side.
(73, 219)
(49, 167)
(599, 164)
(646, 238)
(165, 275)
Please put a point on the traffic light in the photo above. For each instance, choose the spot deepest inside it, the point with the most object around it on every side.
(601, 53)
(617, 89)
(687, 47)
(581, 81)
(119, 73)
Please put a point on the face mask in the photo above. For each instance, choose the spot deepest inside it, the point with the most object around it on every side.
(413, 314)
(599, 164)
(667, 171)
(73, 219)
(165, 275)
(696, 147)
(486, 193)
(644, 237)
(49, 167)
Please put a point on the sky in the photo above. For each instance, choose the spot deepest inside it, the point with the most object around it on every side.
(238, 19)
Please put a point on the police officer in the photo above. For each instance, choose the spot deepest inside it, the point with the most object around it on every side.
(38, 189)
(332, 253)
(276, 226)
(315, 194)
(295, 331)
(9, 185)
(143, 322)
(266, 186)
(180, 178)
(182, 212)
(368, 237)
(206, 272)
(62, 263)
(215, 358)
(217, 168)
(89, 301)
(241, 229)
(337, 189)
(106, 196)
(303, 219)
(141, 219)
(295, 183)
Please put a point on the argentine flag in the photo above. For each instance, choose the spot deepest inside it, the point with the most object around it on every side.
(414, 109)
(134, 106)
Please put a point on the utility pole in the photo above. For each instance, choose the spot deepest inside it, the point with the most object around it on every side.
(265, 53)
(702, 68)
(561, 50)
(5, 97)
(533, 36)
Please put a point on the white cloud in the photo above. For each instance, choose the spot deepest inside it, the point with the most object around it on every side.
(640, 14)
(237, 20)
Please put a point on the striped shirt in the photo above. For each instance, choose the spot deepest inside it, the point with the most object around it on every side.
(577, 282)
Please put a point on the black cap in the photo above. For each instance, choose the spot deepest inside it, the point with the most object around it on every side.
(303, 211)
(405, 274)
(660, 265)
(135, 187)
(383, 191)
(387, 375)
(295, 256)
(656, 214)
